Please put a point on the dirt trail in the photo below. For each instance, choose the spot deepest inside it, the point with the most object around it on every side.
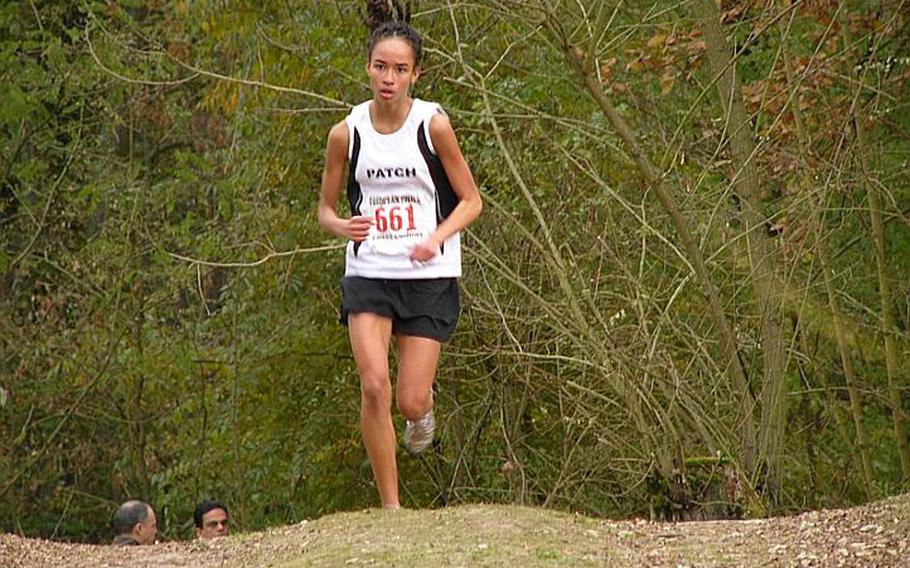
(493, 535)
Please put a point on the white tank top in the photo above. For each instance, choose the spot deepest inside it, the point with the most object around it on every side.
(398, 180)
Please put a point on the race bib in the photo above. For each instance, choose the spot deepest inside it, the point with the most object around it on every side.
(396, 223)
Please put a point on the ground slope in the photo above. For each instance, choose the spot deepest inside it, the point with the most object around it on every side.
(496, 535)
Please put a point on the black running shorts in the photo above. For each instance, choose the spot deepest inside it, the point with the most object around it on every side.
(424, 307)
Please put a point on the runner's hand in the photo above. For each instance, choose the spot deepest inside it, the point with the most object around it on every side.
(425, 251)
(357, 227)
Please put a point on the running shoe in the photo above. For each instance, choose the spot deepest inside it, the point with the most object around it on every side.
(418, 435)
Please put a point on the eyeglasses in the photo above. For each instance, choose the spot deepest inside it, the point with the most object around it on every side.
(213, 524)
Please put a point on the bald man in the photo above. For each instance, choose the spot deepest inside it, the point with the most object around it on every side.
(135, 524)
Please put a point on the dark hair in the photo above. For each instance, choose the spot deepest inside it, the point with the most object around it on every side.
(205, 507)
(397, 29)
(128, 515)
(380, 11)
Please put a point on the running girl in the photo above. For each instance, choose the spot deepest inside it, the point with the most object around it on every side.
(410, 193)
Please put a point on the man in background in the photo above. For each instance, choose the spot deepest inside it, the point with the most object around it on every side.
(135, 523)
(211, 519)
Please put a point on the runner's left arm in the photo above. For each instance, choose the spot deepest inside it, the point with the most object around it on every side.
(459, 173)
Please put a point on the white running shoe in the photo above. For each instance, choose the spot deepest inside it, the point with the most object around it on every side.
(418, 435)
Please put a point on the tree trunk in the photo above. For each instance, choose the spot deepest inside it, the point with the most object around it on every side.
(889, 325)
(815, 221)
(772, 428)
(856, 404)
(843, 347)
(733, 365)
(884, 285)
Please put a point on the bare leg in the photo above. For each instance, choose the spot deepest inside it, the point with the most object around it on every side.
(370, 334)
(417, 361)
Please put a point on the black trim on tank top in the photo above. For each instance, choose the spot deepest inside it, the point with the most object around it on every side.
(355, 194)
(446, 198)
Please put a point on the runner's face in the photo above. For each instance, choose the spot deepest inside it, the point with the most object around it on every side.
(392, 70)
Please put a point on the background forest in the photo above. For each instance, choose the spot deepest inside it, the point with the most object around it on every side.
(688, 295)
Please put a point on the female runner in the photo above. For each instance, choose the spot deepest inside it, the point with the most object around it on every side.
(410, 193)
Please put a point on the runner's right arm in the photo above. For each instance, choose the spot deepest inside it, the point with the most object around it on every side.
(336, 158)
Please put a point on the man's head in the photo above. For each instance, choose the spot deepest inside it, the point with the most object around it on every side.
(136, 520)
(211, 519)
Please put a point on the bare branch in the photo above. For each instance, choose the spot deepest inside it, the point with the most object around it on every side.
(263, 260)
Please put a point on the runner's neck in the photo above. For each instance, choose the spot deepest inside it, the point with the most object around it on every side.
(387, 119)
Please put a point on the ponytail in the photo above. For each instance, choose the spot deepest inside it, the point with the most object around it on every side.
(382, 11)
(390, 18)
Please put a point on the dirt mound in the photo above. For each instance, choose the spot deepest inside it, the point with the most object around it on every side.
(492, 535)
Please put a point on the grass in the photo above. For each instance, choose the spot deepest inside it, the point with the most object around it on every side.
(484, 535)
(877, 534)
(459, 536)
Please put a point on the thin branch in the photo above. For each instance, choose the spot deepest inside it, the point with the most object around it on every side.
(124, 78)
(263, 260)
(199, 72)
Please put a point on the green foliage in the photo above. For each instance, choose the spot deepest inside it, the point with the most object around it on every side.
(135, 136)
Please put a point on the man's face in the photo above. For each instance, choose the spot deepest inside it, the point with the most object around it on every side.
(214, 524)
(147, 531)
